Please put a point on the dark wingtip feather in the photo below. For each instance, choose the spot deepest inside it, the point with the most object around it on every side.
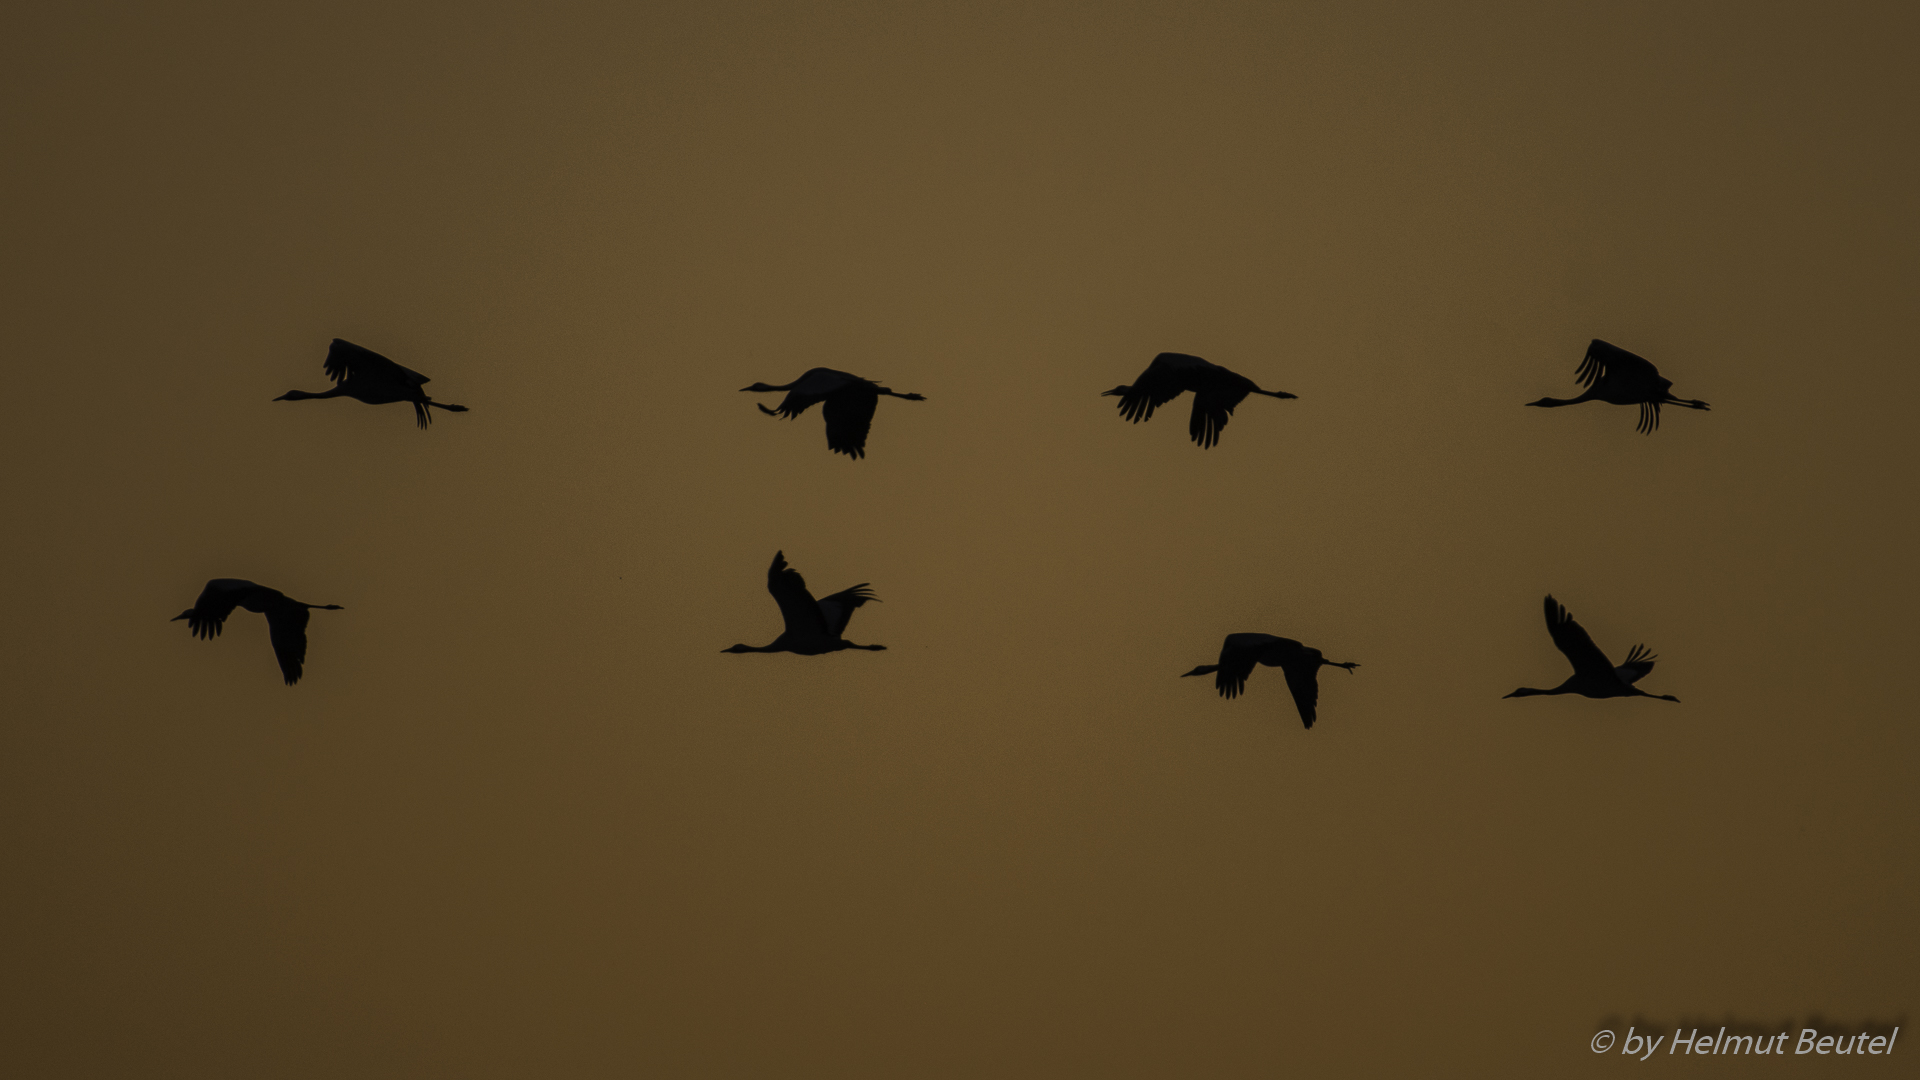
(1556, 612)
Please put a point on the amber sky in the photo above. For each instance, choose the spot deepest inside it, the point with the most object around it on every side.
(524, 819)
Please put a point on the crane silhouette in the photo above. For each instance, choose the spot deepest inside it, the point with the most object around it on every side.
(365, 375)
(1300, 664)
(1215, 393)
(1618, 377)
(1593, 675)
(286, 618)
(813, 626)
(850, 401)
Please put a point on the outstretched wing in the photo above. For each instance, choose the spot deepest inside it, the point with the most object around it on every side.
(1303, 678)
(1211, 408)
(287, 627)
(1639, 662)
(1606, 360)
(802, 614)
(1238, 654)
(838, 608)
(345, 360)
(1169, 376)
(809, 390)
(1571, 639)
(849, 413)
(792, 405)
(216, 602)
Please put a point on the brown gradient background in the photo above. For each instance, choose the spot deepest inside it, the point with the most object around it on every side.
(523, 818)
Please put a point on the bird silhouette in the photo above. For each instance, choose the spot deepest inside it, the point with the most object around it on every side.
(850, 401)
(1593, 675)
(365, 375)
(1618, 377)
(1300, 664)
(1215, 393)
(286, 618)
(813, 626)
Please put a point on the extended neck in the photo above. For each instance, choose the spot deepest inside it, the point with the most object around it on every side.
(302, 395)
(1554, 402)
(778, 646)
(1528, 691)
